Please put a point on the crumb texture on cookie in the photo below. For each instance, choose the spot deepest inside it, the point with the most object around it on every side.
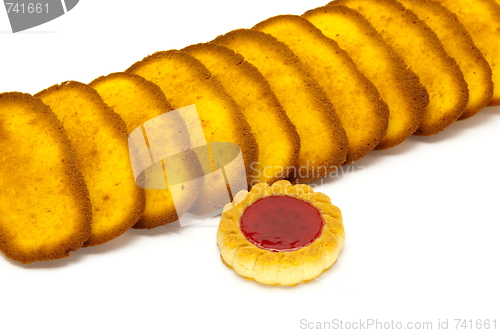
(186, 81)
(357, 102)
(275, 134)
(99, 138)
(481, 18)
(459, 45)
(424, 54)
(138, 100)
(46, 211)
(398, 86)
(323, 142)
(290, 264)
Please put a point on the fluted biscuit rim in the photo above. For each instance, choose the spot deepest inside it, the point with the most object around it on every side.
(316, 258)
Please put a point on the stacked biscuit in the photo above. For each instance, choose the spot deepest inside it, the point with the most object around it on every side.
(300, 95)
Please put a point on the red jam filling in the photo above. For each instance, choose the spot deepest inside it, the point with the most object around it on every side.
(281, 223)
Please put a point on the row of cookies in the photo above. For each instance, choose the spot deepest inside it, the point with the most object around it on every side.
(362, 87)
(65, 172)
(301, 95)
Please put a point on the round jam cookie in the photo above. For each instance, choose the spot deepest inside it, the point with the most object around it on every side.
(280, 234)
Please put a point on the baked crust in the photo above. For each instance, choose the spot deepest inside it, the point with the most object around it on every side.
(138, 100)
(459, 45)
(399, 86)
(45, 205)
(481, 18)
(287, 268)
(424, 54)
(357, 102)
(99, 138)
(186, 81)
(323, 142)
(275, 134)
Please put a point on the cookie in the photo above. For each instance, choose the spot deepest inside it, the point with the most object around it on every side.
(185, 81)
(280, 234)
(424, 54)
(362, 112)
(46, 211)
(481, 18)
(138, 100)
(398, 86)
(276, 136)
(99, 138)
(459, 45)
(323, 142)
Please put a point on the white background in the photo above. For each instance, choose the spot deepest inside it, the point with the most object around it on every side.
(421, 219)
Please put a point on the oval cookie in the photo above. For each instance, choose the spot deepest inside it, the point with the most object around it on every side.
(46, 211)
(99, 138)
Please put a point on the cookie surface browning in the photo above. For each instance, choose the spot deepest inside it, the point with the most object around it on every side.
(422, 51)
(399, 86)
(481, 18)
(185, 81)
(357, 102)
(322, 138)
(137, 100)
(45, 206)
(99, 138)
(459, 45)
(288, 267)
(276, 136)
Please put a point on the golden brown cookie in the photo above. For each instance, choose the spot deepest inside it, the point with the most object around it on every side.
(459, 45)
(280, 234)
(481, 18)
(45, 205)
(276, 136)
(99, 138)
(323, 142)
(362, 112)
(138, 100)
(424, 54)
(399, 86)
(185, 81)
